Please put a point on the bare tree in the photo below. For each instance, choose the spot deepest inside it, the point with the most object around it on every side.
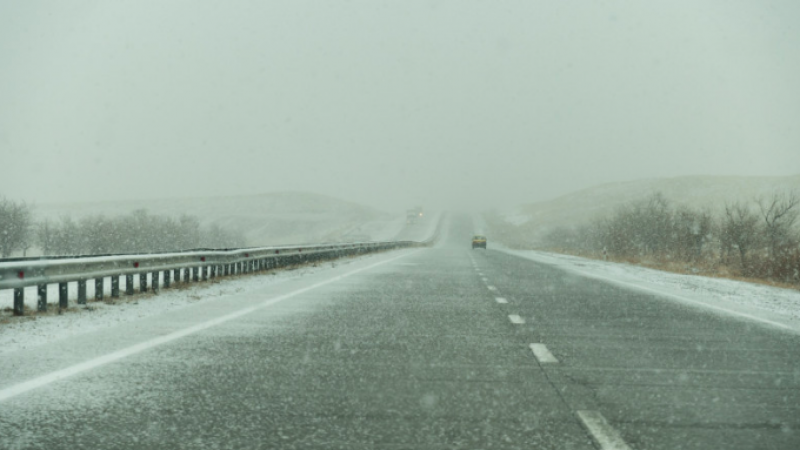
(780, 212)
(692, 230)
(46, 235)
(739, 230)
(15, 227)
(67, 238)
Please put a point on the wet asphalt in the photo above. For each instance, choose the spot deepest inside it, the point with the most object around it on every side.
(432, 351)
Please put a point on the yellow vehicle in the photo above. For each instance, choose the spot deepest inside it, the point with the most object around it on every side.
(478, 241)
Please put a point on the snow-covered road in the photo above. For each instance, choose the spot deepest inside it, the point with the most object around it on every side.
(438, 347)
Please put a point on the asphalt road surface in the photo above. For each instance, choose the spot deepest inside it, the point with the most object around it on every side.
(441, 348)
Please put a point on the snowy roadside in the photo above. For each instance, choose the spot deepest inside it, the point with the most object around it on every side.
(34, 331)
(772, 306)
(378, 231)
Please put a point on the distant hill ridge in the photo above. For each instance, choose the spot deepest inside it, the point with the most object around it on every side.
(694, 191)
(266, 219)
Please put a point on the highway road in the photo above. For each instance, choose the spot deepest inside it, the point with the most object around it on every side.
(439, 348)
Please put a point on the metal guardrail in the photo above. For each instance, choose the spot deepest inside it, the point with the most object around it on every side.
(189, 266)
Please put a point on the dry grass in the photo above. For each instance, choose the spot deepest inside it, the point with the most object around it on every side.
(701, 267)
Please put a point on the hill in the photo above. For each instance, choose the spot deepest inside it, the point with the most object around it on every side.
(265, 219)
(695, 191)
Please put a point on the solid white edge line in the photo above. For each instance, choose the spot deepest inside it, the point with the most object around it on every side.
(515, 318)
(604, 434)
(500, 300)
(20, 388)
(706, 305)
(541, 353)
(660, 293)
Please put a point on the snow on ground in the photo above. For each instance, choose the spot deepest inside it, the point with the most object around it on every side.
(33, 331)
(377, 230)
(277, 218)
(516, 217)
(772, 306)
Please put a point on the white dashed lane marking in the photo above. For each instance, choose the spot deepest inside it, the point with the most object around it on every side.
(515, 318)
(500, 300)
(541, 353)
(492, 288)
(602, 432)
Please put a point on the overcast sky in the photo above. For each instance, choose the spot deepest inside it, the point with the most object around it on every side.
(391, 103)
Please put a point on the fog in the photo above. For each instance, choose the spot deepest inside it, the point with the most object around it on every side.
(450, 104)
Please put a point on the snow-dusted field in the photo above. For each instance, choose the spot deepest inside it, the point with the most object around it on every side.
(767, 305)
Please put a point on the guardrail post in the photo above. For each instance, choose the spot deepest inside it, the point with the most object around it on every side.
(99, 286)
(154, 281)
(205, 273)
(143, 282)
(63, 299)
(19, 301)
(167, 280)
(41, 302)
(115, 286)
(177, 275)
(129, 284)
(81, 292)
(214, 271)
(186, 276)
(225, 269)
(196, 274)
